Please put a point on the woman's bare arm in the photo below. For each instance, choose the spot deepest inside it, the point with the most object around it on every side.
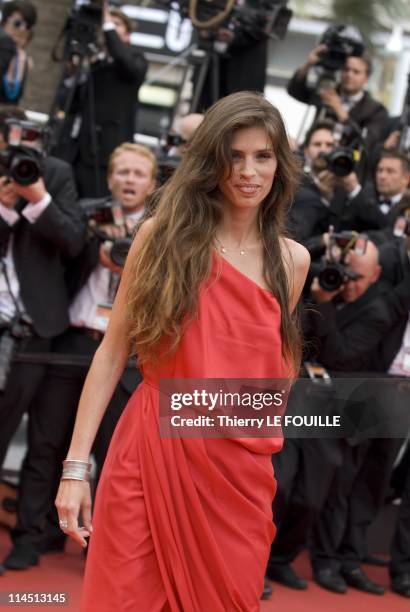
(105, 371)
(297, 262)
(107, 366)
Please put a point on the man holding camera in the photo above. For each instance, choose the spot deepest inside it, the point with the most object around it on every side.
(41, 228)
(330, 193)
(346, 338)
(93, 279)
(348, 103)
(309, 215)
(350, 325)
(103, 110)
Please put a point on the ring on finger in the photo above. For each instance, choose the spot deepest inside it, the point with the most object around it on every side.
(63, 523)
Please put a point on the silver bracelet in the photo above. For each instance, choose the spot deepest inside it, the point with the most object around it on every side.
(74, 469)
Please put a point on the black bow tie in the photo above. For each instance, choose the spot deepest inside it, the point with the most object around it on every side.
(385, 201)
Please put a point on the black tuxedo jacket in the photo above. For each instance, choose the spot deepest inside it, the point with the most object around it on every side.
(41, 250)
(361, 213)
(367, 113)
(308, 216)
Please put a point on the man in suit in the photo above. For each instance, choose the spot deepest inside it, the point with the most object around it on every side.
(348, 104)
(41, 228)
(309, 215)
(351, 326)
(324, 199)
(376, 207)
(100, 121)
(345, 339)
(93, 280)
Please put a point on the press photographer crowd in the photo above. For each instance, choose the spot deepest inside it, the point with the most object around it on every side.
(72, 195)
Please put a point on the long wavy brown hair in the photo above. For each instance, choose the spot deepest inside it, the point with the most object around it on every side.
(176, 256)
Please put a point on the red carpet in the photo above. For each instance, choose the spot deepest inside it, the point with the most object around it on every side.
(62, 572)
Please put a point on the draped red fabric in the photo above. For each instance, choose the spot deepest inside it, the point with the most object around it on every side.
(185, 525)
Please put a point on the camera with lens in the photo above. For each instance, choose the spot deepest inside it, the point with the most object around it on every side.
(105, 211)
(83, 26)
(268, 19)
(335, 271)
(255, 19)
(11, 331)
(342, 41)
(342, 159)
(21, 160)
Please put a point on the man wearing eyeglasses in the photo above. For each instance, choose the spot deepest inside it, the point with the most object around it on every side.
(18, 20)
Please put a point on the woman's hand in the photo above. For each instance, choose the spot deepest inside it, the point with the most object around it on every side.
(73, 496)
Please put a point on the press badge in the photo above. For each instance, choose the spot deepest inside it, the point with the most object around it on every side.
(317, 373)
(102, 316)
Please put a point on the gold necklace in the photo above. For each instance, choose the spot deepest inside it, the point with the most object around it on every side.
(223, 249)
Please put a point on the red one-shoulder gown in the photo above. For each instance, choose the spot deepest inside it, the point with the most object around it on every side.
(185, 525)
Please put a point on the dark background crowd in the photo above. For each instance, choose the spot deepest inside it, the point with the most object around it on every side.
(71, 198)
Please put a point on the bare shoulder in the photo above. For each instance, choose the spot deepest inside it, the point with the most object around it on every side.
(140, 237)
(297, 262)
(146, 228)
(295, 255)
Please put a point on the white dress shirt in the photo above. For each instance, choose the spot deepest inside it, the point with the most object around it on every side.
(86, 309)
(8, 302)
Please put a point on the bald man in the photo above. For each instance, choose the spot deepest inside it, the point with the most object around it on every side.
(347, 326)
(350, 322)
(350, 325)
(185, 127)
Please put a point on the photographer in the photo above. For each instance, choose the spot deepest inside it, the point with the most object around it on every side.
(341, 339)
(41, 228)
(174, 144)
(309, 215)
(184, 130)
(330, 193)
(350, 324)
(18, 20)
(93, 279)
(103, 111)
(347, 102)
(241, 58)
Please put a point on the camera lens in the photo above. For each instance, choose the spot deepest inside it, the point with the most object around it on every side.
(340, 162)
(25, 170)
(331, 277)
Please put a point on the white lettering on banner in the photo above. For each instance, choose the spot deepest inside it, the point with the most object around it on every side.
(178, 33)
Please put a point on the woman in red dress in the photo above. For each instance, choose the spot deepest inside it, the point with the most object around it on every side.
(208, 291)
